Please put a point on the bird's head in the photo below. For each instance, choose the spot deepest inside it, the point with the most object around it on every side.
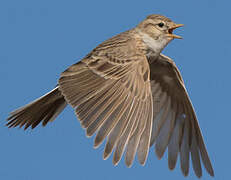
(157, 31)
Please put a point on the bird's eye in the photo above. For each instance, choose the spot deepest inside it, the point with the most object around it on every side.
(161, 24)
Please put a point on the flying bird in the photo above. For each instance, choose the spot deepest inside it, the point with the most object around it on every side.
(127, 92)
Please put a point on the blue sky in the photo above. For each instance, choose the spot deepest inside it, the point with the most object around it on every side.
(40, 39)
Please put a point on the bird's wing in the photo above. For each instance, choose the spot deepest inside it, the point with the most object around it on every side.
(174, 121)
(111, 94)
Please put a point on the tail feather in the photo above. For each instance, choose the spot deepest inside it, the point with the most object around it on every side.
(44, 109)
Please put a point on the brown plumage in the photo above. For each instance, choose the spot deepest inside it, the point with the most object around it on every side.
(129, 93)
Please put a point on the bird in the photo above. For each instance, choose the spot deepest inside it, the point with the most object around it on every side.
(129, 94)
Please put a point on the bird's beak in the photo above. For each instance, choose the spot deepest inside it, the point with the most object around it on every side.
(170, 31)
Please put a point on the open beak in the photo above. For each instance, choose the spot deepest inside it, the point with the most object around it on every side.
(170, 31)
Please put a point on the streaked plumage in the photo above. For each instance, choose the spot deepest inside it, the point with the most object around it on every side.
(129, 93)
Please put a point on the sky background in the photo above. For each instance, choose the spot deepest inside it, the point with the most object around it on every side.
(40, 39)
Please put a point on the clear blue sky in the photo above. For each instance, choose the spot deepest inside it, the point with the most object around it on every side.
(40, 39)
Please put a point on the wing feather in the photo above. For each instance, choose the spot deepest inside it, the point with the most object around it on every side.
(175, 125)
(112, 97)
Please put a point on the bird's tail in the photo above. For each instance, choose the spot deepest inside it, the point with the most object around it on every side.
(43, 109)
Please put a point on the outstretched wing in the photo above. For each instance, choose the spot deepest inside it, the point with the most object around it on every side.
(174, 121)
(111, 94)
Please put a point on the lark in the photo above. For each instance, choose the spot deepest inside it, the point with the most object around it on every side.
(127, 92)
